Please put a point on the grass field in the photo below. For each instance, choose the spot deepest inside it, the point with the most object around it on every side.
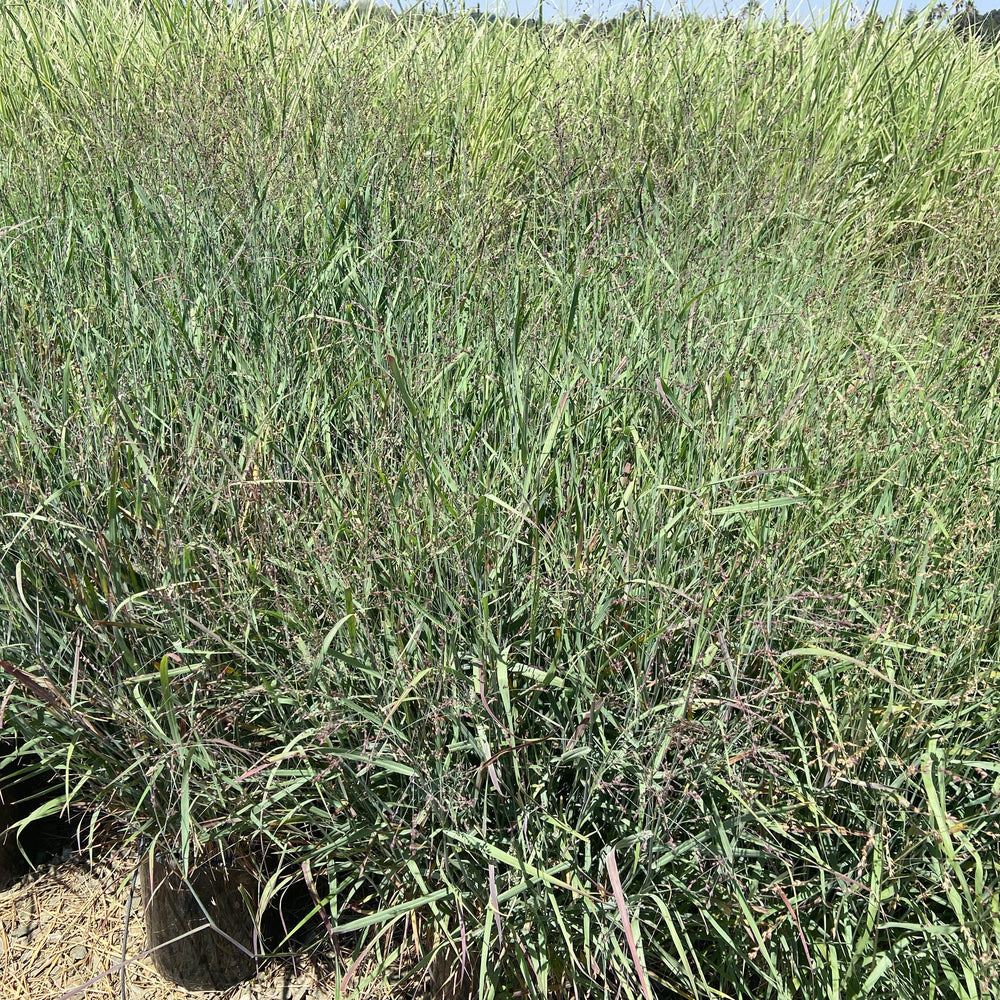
(545, 483)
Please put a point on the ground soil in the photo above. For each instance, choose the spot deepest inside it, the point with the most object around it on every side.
(61, 934)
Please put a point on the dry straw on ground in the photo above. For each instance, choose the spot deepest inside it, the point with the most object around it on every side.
(61, 933)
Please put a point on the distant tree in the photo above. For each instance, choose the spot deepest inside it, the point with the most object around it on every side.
(936, 14)
(632, 14)
(969, 23)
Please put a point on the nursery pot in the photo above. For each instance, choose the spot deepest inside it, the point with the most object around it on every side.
(24, 786)
(12, 863)
(202, 927)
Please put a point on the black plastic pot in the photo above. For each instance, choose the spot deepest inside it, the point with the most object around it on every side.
(24, 786)
(12, 863)
(202, 927)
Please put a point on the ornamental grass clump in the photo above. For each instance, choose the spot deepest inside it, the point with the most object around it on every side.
(537, 486)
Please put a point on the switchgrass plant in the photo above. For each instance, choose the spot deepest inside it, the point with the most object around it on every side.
(539, 484)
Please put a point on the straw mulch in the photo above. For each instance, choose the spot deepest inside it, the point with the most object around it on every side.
(61, 933)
